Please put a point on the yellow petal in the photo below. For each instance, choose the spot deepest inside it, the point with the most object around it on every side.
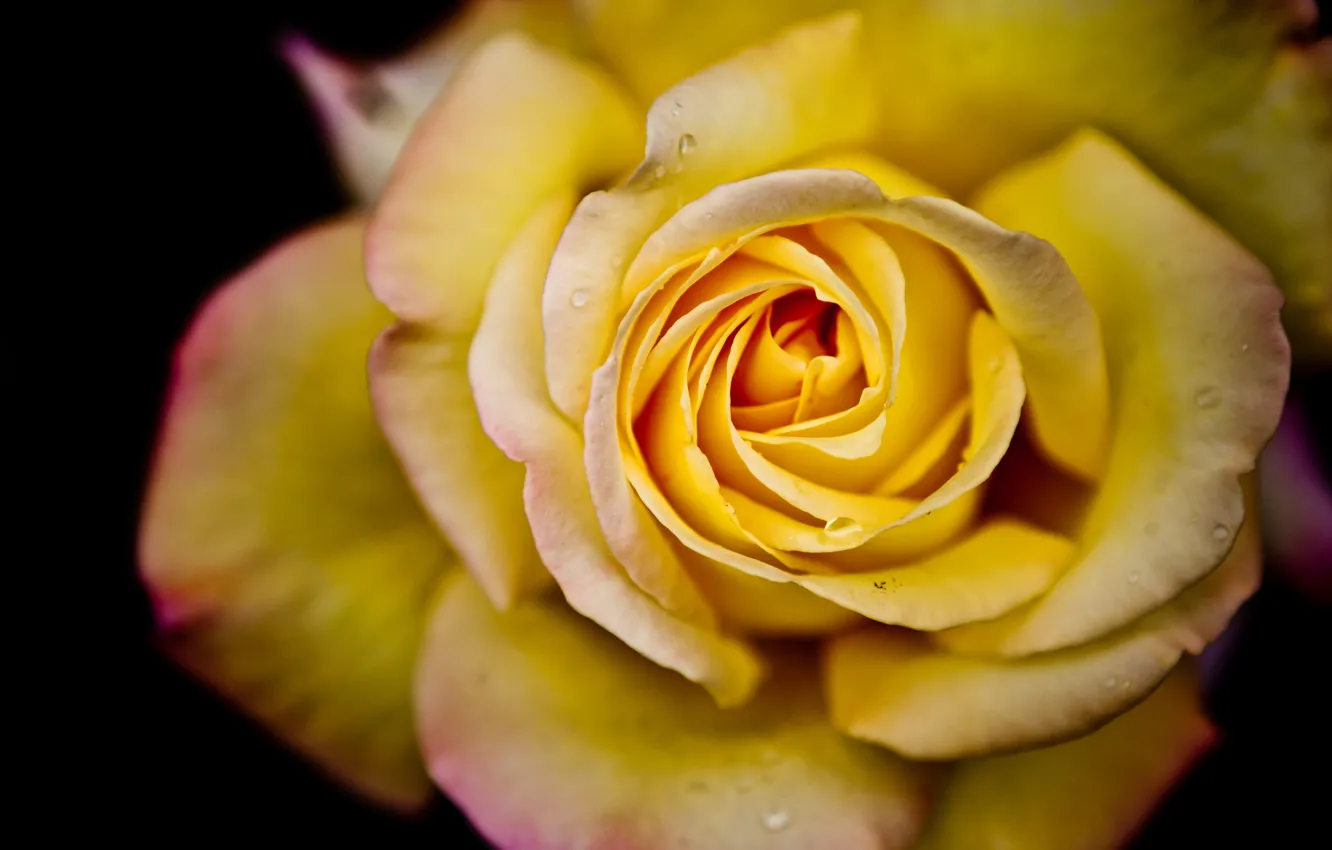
(367, 113)
(765, 106)
(418, 378)
(655, 609)
(897, 688)
(549, 733)
(1089, 794)
(1198, 368)
(289, 563)
(992, 571)
(518, 124)
(1207, 96)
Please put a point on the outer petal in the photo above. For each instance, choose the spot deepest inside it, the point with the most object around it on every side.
(519, 124)
(1088, 794)
(368, 112)
(655, 609)
(1198, 367)
(550, 734)
(288, 560)
(895, 688)
(770, 104)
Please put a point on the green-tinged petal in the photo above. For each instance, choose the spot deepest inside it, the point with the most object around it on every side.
(550, 734)
(787, 99)
(518, 124)
(288, 560)
(923, 698)
(1088, 794)
(650, 604)
(1198, 368)
(368, 112)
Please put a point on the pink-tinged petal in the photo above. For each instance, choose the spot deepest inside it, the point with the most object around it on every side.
(1297, 506)
(551, 734)
(288, 560)
(1092, 793)
(368, 111)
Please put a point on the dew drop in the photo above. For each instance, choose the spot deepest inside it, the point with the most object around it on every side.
(1207, 398)
(1133, 578)
(617, 262)
(994, 365)
(659, 172)
(675, 108)
(707, 216)
(579, 298)
(841, 525)
(776, 820)
(1111, 681)
(687, 144)
(1244, 347)
(1220, 532)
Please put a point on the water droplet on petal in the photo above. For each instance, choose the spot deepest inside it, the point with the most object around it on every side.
(1111, 681)
(1207, 398)
(1220, 532)
(579, 298)
(707, 216)
(659, 172)
(1244, 347)
(1133, 578)
(994, 365)
(841, 525)
(676, 107)
(617, 262)
(776, 820)
(687, 144)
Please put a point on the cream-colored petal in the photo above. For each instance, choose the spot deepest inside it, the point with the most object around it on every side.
(367, 112)
(1198, 367)
(657, 611)
(1092, 793)
(518, 124)
(287, 559)
(923, 699)
(803, 91)
(549, 735)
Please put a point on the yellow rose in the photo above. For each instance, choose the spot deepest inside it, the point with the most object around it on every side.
(758, 382)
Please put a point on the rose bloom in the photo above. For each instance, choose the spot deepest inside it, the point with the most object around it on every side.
(785, 426)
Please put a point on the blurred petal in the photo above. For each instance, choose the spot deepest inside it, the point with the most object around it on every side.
(550, 734)
(922, 699)
(1297, 506)
(288, 560)
(368, 112)
(1198, 366)
(518, 124)
(1088, 794)
(779, 101)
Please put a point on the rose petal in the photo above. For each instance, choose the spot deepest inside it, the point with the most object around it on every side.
(1199, 367)
(550, 734)
(518, 124)
(1089, 794)
(288, 561)
(896, 688)
(803, 91)
(368, 113)
(658, 612)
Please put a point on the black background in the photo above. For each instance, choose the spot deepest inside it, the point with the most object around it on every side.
(235, 161)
